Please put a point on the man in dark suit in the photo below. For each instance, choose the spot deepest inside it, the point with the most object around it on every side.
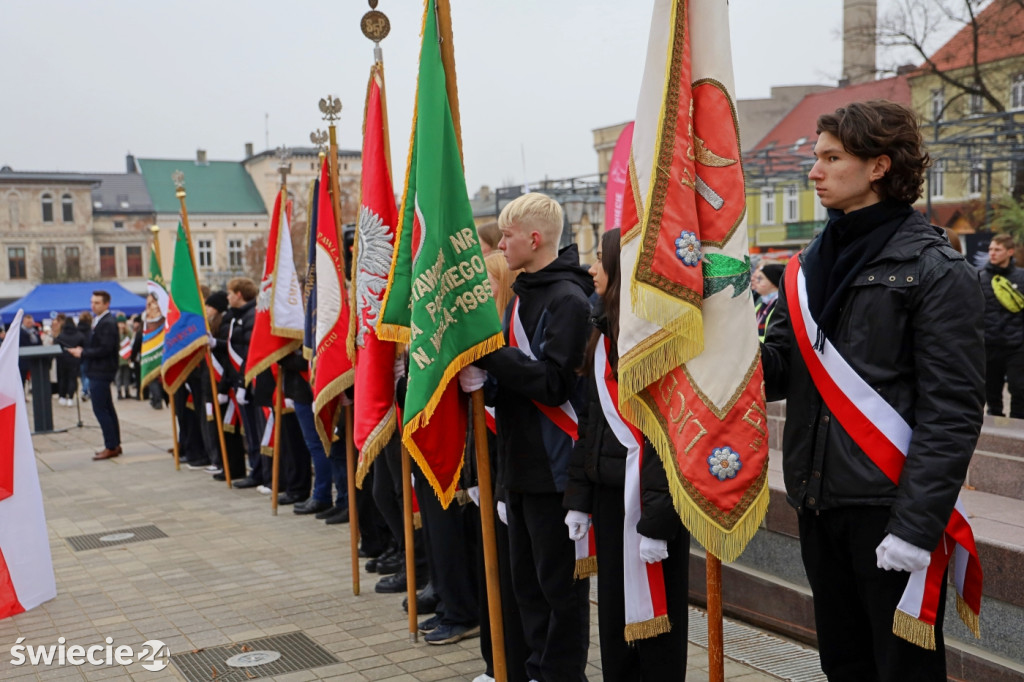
(29, 337)
(102, 353)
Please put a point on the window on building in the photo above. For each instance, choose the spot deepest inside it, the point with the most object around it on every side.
(49, 257)
(67, 209)
(108, 262)
(16, 262)
(938, 173)
(938, 104)
(975, 102)
(47, 208)
(820, 212)
(792, 206)
(1017, 92)
(72, 263)
(133, 261)
(118, 224)
(767, 206)
(205, 253)
(236, 253)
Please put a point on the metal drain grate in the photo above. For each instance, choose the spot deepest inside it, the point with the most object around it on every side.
(768, 654)
(107, 538)
(297, 652)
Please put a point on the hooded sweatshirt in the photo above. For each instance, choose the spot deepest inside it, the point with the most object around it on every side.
(555, 311)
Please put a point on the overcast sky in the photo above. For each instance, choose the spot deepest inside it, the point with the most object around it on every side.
(87, 81)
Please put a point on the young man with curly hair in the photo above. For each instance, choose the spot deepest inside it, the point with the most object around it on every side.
(876, 344)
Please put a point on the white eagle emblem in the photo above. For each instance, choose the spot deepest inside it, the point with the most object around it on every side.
(266, 289)
(372, 267)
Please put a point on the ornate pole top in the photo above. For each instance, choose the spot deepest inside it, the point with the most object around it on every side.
(284, 166)
(154, 228)
(179, 183)
(330, 107)
(374, 24)
(319, 138)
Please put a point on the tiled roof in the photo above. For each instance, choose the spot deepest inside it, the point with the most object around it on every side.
(1000, 28)
(305, 151)
(211, 187)
(121, 193)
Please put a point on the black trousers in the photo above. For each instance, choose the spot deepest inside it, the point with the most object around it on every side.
(854, 601)
(235, 445)
(1004, 365)
(554, 607)
(296, 465)
(646, 660)
(516, 651)
(106, 415)
(387, 493)
(374, 535)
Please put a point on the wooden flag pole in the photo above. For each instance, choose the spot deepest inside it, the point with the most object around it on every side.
(490, 544)
(276, 460)
(179, 181)
(155, 229)
(716, 647)
(353, 511)
(410, 549)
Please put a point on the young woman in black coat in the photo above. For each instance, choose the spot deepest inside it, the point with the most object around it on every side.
(600, 469)
(68, 366)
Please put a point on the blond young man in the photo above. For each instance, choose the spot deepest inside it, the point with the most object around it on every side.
(533, 384)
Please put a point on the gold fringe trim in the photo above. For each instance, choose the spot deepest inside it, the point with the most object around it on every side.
(585, 568)
(725, 544)
(375, 442)
(267, 450)
(189, 365)
(679, 317)
(265, 363)
(648, 363)
(913, 630)
(647, 629)
(445, 496)
(467, 357)
(328, 393)
(229, 428)
(417, 521)
(152, 376)
(968, 616)
(393, 332)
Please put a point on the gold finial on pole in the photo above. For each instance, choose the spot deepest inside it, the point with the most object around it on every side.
(319, 138)
(330, 107)
(284, 165)
(179, 183)
(375, 26)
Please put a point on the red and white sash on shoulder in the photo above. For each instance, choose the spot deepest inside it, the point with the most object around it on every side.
(643, 583)
(563, 416)
(885, 437)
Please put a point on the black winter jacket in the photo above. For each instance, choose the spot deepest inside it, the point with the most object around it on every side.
(1002, 328)
(911, 327)
(101, 350)
(242, 320)
(599, 459)
(70, 337)
(555, 310)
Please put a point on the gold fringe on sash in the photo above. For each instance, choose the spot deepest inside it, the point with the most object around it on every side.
(647, 629)
(913, 630)
(968, 616)
(417, 521)
(585, 568)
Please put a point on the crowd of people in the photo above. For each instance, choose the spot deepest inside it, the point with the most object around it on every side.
(880, 288)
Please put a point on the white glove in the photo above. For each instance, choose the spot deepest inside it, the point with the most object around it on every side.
(211, 341)
(289, 404)
(502, 512)
(894, 554)
(652, 551)
(240, 397)
(474, 494)
(471, 378)
(222, 399)
(578, 522)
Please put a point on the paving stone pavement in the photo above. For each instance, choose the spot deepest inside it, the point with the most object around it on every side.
(228, 571)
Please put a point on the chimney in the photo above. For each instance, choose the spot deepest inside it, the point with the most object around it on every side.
(859, 23)
(248, 150)
(130, 163)
(200, 157)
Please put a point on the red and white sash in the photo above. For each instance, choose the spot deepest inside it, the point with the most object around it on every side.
(885, 437)
(125, 351)
(644, 583)
(563, 416)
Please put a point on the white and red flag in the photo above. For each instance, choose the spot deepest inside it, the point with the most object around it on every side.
(689, 361)
(280, 322)
(332, 369)
(374, 409)
(26, 568)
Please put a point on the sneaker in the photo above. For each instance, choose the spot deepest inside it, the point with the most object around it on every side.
(449, 634)
(430, 624)
(263, 490)
(196, 467)
(213, 469)
(483, 677)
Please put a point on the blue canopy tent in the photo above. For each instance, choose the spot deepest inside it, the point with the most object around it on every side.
(46, 300)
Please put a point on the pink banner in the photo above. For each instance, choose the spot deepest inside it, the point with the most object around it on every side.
(618, 173)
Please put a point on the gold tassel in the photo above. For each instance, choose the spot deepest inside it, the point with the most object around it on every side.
(417, 521)
(585, 568)
(647, 629)
(968, 616)
(913, 630)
